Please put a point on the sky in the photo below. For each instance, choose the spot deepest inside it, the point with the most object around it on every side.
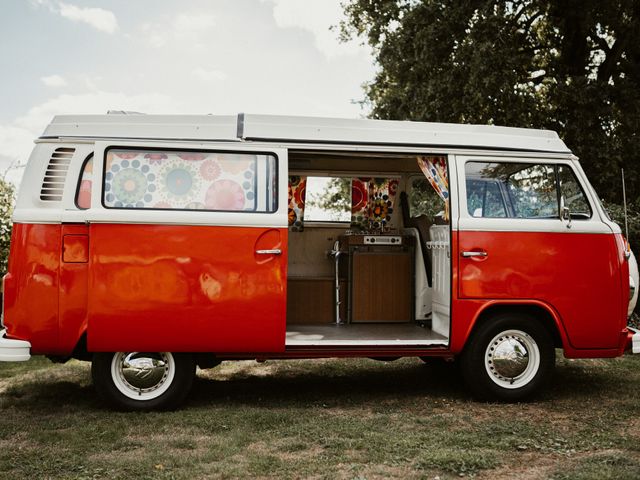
(163, 56)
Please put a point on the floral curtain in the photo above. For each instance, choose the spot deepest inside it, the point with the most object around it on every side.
(297, 192)
(435, 169)
(372, 201)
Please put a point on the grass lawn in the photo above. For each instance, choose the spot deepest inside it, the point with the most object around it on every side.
(352, 419)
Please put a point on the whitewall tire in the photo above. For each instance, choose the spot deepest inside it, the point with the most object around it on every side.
(143, 380)
(509, 357)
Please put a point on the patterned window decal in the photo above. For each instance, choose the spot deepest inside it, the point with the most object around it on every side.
(189, 180)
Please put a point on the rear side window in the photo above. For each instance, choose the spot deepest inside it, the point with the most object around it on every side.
(523, 190)
(83, 194)
(190, 180)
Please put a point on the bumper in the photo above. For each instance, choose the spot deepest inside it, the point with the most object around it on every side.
(634, 343)
(13, 350)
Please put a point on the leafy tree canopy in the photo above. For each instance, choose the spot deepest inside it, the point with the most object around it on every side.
(572, 66)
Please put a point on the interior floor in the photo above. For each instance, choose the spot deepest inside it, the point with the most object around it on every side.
(362, 335)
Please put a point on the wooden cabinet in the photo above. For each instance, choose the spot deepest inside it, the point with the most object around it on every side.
(311, 301)
(380, 279)
(381, 287)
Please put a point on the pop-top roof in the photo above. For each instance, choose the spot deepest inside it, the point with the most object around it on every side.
(248, 127)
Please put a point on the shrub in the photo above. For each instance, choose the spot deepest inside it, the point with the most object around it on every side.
(7, 191)
(616, 212)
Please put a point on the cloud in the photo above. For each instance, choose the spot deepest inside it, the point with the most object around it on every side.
(99, 18)
(54, 81)
(316, 17)
(193, 22)
(186, 27)
(17, 137)
(208, 75)
(94, 102)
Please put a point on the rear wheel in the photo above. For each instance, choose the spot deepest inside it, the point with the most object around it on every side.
(510, 357)
(143, 380)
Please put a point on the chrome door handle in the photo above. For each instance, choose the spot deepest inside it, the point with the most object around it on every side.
(273, 251)
(474, 254)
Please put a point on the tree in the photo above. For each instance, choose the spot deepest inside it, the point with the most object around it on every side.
(570, 66)
(6, 209)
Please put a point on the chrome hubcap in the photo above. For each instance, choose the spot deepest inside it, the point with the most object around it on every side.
(142, 375)
(512, 359)
(143, 371)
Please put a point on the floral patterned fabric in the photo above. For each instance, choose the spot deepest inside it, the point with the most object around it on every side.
(372, 201)
(297, 192)
(435, 169)
(180, 180)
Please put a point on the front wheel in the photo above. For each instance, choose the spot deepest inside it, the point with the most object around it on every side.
(143, 380)
(509, 358)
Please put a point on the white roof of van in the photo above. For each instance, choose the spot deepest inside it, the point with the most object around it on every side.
(249, 127)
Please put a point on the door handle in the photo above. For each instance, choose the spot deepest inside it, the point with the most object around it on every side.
(273, 251)
(474, 254)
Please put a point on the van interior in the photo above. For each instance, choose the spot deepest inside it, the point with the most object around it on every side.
(369, 256)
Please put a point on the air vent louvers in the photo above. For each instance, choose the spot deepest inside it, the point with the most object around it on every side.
(53, 183)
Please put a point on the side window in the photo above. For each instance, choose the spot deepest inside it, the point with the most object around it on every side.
(190, 180)
(328, 199)
(485, 199)
(423, 199)
(573, 194)
(532, 191)
(520, 190)
(83, 193)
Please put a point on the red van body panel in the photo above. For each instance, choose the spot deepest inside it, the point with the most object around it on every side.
(150, 300)
(558, 269)
(32, 286)
(74, 274)
(186, 288)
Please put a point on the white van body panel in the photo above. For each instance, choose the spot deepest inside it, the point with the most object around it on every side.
(161, 127)
(303, 129)
(314, 129)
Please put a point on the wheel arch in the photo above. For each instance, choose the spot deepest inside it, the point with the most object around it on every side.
(539, 310)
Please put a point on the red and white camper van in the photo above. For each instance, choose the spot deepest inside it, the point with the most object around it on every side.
(151, 244)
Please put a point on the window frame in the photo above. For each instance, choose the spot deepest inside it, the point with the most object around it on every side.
(276, 170)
